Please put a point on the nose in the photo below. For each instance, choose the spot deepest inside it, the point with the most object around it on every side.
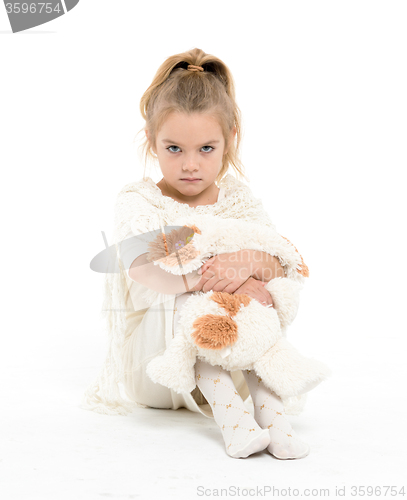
(191, 163)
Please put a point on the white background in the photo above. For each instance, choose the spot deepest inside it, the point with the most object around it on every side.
(322, 89)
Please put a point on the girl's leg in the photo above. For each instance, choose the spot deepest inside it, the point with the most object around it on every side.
(241, 433)
(269, 413)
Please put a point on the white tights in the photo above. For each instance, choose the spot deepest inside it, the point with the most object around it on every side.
(269, 413)
(241, 433)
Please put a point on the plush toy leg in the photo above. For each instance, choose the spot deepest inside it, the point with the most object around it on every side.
(287, 372)
(175, 368)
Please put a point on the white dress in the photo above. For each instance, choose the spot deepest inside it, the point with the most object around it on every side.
(150, 330)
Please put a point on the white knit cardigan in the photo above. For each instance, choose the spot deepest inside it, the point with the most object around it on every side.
(140, 206)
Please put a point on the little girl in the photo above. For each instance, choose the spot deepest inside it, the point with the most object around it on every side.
(193, 130)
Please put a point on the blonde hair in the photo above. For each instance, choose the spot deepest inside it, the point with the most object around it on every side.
(176, 89)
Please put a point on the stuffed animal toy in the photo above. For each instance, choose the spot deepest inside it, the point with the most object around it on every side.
(233, 331)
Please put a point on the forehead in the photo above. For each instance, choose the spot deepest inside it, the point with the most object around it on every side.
(192, 129)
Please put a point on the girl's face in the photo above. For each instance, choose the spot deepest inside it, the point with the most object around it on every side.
(190, 150)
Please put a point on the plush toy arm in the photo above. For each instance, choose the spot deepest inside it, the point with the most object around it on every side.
(175, 368)
(286, 298)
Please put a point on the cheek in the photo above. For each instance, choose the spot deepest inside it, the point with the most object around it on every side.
(167, 163)
(219, 158)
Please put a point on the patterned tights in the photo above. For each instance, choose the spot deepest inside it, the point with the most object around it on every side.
(243, 434)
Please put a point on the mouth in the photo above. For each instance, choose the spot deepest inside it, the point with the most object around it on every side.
(190, 179)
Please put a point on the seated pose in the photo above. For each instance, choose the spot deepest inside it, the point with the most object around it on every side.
(148, 307)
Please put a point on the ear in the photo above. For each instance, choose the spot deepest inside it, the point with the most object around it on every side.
(230, 141)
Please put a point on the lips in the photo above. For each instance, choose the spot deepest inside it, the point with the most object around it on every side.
(190, 179)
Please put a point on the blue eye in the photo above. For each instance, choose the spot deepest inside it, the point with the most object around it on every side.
(169, 148)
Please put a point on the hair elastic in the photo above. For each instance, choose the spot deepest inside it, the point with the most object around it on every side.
(192, 67)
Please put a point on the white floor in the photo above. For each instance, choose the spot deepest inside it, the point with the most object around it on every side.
(53, 449)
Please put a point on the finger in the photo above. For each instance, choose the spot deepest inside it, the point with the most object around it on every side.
(233, 288)
(210, 283)
(267, 301)
(221, 285)
(205, 267)
(210, 275)
(198, 286)
(205, 280)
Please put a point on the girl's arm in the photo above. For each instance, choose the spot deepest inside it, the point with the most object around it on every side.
(146, 273)
(265, 267)
(259, 265)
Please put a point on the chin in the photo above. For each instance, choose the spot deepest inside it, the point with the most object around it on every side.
(193, 185)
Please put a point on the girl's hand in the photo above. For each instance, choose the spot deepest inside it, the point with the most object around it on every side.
(225, 272)
(255, 289)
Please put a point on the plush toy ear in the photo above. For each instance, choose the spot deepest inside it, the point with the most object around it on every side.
(175, 368)
(175, 248)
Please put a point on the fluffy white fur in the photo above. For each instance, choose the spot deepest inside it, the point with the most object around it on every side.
(261, 345)
(230, 235)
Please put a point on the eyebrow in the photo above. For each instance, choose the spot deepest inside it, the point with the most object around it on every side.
(175, 142)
